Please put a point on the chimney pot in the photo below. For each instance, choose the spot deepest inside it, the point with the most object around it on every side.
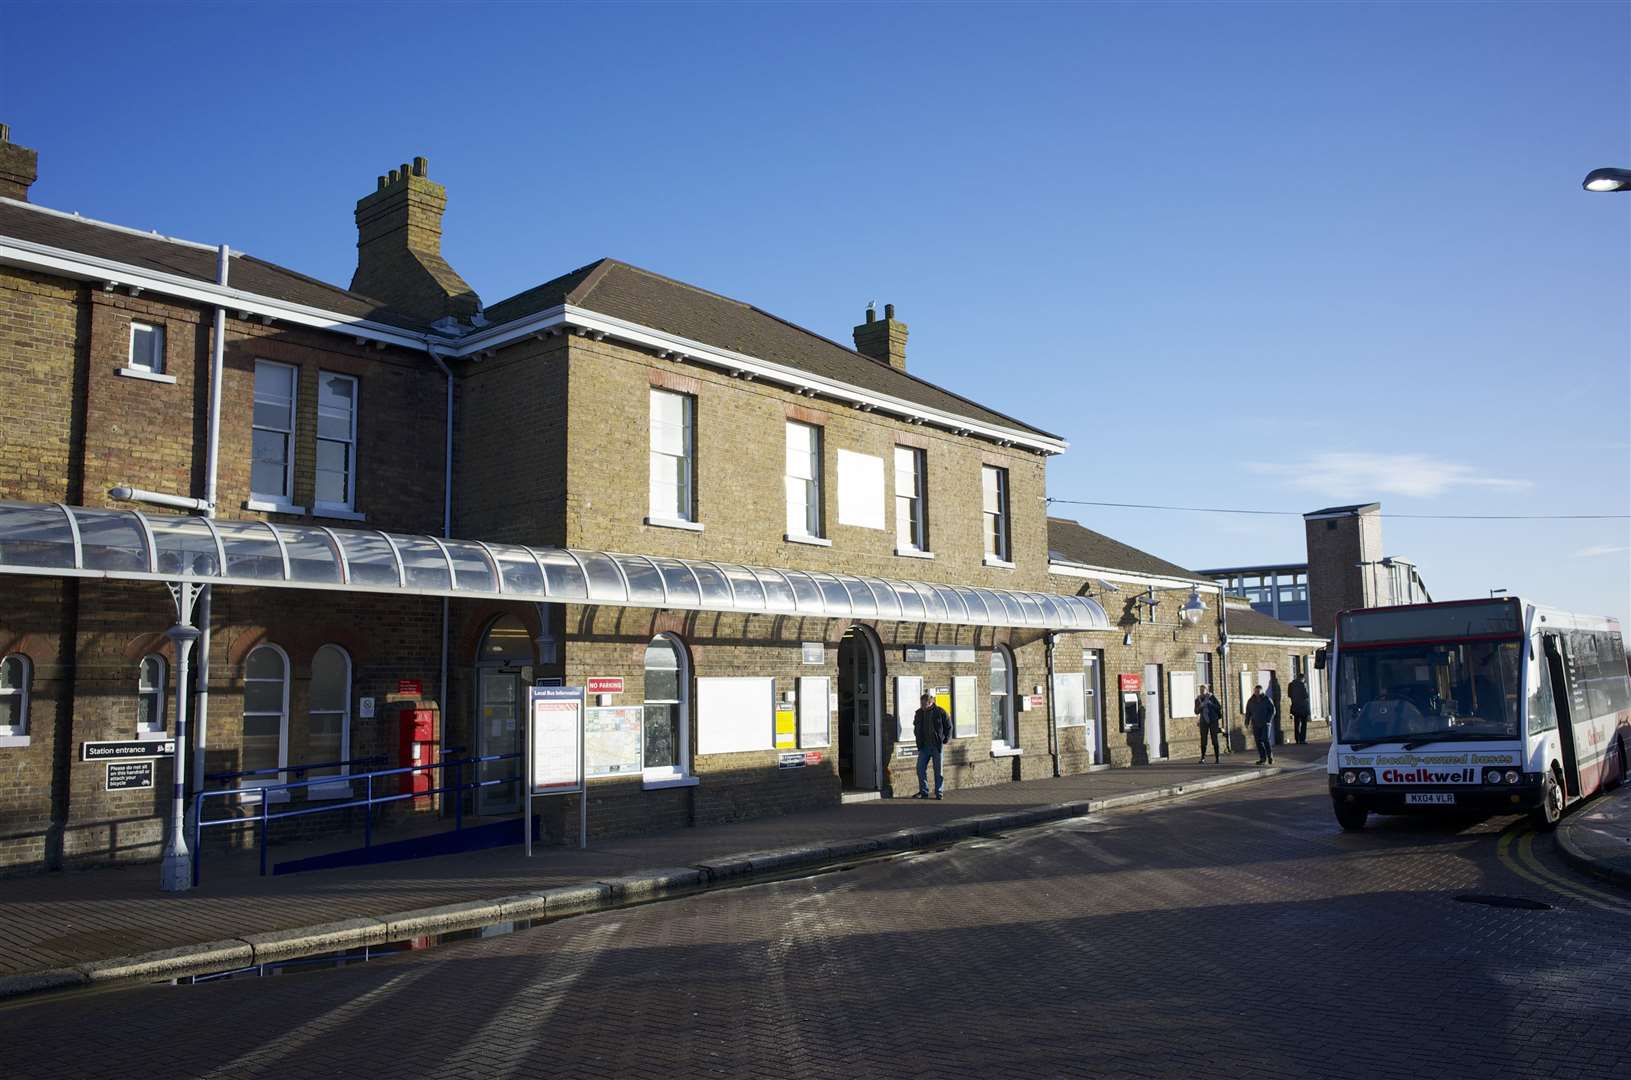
(889, 311)
(883, 340)
(420, 166)
(404, 170)
(5, 132)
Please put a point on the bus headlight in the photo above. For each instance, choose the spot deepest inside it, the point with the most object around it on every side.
(1348, 777)
(1512, 776)
(1366, 776)
(1492, 776)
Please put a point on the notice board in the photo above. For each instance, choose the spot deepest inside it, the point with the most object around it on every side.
(614, 740)
(965, 706)
(908, 691)
(734, 715)
(557, 725)
(814, 711)
(1069, 702)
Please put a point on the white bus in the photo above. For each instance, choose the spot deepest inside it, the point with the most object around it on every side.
(1475, 704)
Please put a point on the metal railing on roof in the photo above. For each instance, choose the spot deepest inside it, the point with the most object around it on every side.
(133, 545)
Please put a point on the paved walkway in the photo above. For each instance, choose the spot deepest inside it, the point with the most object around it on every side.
(76, 917)
(1597, 836)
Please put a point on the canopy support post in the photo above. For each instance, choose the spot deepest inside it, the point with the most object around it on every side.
(176, 869)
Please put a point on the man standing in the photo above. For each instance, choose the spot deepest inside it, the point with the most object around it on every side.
(1209, 713)
(1298, 693)
(932, 729)
(1260, 715)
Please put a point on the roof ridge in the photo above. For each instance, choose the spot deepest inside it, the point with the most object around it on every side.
(601, 267)
(99, 223)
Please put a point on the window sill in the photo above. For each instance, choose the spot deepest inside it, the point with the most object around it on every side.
(813, 541)
(674, 523)
(654, 783)
(913, 553)
(272, 506)
(279, 796)
(338, 513)
(15, 741)
(1005, 751)
(142, 373)
(1000, 564)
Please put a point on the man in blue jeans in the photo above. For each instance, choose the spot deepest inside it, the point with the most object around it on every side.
(932, 729)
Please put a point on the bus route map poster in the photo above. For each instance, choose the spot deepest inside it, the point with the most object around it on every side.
(612, 739)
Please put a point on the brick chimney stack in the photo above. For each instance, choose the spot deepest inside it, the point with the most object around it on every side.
(19, 167)
(883, 340)
(399, 248)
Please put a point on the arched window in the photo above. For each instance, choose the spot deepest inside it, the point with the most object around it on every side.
(1002, 698)
(668, 717)
(150, 695)
(16, 674)
(507, 640)
(266, 714)
(328, 719)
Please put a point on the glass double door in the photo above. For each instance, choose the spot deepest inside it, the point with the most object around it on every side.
(500, 711)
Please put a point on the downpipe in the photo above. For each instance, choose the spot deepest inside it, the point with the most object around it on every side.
(447, 531)
(1052, 642)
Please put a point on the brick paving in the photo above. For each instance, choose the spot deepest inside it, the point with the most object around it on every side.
(60, 919)
(1239, 933)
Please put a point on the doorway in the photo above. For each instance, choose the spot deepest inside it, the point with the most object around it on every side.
(1154, 720)
(503, 674)
(860, 701)
(1557, 668)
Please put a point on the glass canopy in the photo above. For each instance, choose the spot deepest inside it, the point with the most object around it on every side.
(133, 545)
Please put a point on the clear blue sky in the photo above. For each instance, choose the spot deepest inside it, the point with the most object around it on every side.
(1269, 256)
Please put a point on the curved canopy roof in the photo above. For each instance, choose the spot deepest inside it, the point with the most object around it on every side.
(132, 545)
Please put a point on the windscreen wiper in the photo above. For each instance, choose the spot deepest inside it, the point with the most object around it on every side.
(1414, 743)
(1367, 744)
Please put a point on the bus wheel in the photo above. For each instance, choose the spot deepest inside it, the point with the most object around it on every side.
(1550, 810)
(1351, 818)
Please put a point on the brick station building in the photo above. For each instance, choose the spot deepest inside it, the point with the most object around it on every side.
(897, 533)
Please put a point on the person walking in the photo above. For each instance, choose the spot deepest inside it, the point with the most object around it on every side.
(932, 729)
(1260, 715)
(1298, 693)
(1209, 713)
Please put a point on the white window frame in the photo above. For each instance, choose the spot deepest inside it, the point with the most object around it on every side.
(336, 787)
(17, 734)
(153, 364)
(265, 500)
(159, 692)
(998, 542)
(678, 774)
(912, 505)
(686, 513)
(349, 504)
(1006, 740)
(283, 724)
(808, 488)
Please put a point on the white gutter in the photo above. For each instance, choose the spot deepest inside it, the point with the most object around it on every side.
(1130, 577)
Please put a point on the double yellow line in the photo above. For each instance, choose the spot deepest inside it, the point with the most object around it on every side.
(1516, 850)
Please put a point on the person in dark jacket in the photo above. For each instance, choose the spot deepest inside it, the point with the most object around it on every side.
(1209, 714)
(932, 729)
(1260, 715)
(1298, 693)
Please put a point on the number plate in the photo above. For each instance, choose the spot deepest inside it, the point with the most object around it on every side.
(1430, 799)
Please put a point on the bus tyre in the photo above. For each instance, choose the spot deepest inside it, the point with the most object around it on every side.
(1351, 818)
(1550, 810)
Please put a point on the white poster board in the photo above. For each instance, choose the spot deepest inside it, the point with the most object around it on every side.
(965, 706)
(908, 689)
(1245, 690)
(814, 717)
(1069, 703)
(614, 740)
(1182, 684)
(557, 720)
(860, 490)
(735, 715)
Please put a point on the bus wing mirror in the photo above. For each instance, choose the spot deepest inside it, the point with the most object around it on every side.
(1319, 659)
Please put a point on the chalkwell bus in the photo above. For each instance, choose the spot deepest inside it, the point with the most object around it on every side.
(1475, 704)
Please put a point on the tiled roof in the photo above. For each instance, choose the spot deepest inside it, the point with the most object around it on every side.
(1074, 542)
(1245, 622)
(614, 288)
(21, 221)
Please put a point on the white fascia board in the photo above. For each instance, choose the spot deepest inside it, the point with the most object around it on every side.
(567, 314)
(73, 264)
(1247, 639)
(1130, 577)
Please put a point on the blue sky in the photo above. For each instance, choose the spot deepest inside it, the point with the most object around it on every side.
(1266, 256)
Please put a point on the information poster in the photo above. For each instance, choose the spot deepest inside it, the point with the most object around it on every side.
(613, 740)
(908, 691)
(787, 735)
(557, 723)
(815, 704)
(965, 706)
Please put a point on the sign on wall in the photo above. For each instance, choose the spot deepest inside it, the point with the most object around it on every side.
(614, 741)
(127, 749)
(1132, 683)
(860, 490)
(814, 712)
(787, 734)
(557, 723)
(605, 684)
(1182, 685)
(939, 654)
(130, 775)
(814, 652)
(735, 715)
(410, 687)
(1069, 701)
(965, 706)
(908, 689)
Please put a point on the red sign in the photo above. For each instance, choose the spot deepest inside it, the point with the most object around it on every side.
(605, 684)
(1036, 701)
(1132, 682)
(410, 687)
(812, 757)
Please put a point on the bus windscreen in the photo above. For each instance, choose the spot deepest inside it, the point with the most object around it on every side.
(1492, 619)
(1438, 690)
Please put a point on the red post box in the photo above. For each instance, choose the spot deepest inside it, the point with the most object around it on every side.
(417, 746)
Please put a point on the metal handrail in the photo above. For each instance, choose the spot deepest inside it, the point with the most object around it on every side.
(299, 770)
(263, 792)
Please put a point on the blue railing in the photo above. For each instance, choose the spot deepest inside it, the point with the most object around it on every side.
(266, 816)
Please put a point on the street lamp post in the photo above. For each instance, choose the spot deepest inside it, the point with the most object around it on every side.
(1607, 180)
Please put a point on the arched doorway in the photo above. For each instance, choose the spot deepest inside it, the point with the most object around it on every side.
(860, 710)
(503, 674)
